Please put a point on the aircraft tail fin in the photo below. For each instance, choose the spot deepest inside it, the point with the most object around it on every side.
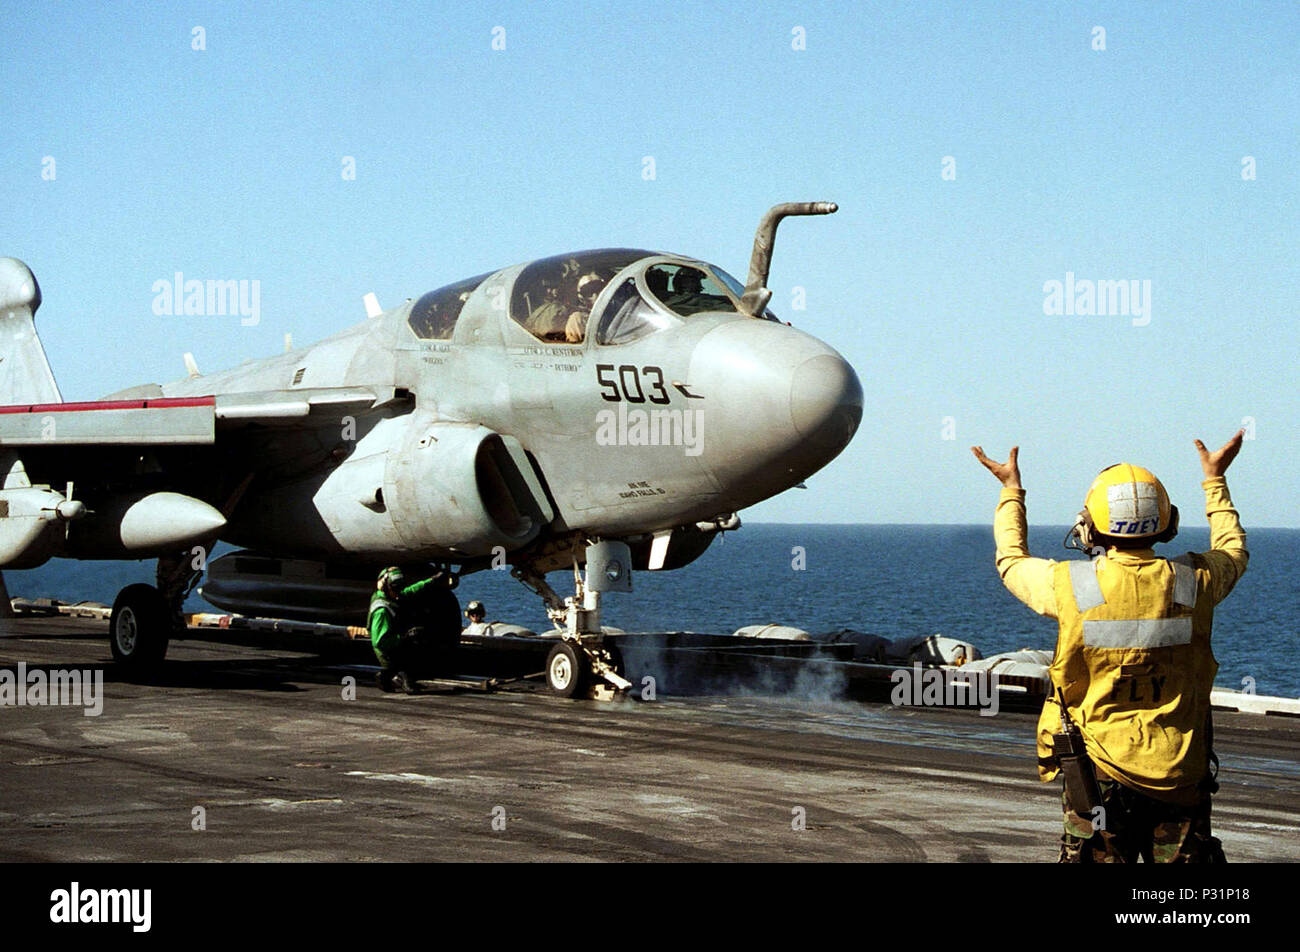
(25, 375)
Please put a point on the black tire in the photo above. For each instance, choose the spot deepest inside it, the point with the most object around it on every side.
(431, 647)
(567, 672)
(139, 629)
(437, 611)
(444, 617)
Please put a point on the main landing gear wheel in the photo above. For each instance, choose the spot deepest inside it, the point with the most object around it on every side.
(444, 613)
(567, 670)
(139, 629)
(434, 645)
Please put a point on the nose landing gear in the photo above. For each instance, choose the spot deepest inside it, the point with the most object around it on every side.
(585, 662)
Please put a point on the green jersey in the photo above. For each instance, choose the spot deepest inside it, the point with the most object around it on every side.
(383, 618)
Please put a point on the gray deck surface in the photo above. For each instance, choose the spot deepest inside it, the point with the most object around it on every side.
(286, 769)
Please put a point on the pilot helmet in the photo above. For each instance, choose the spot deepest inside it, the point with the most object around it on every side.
(688, 281)
(475, 608)
(1126, 504)
(589, 285)
(391, 575)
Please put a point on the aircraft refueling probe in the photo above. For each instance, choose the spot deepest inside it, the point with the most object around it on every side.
(756, 293)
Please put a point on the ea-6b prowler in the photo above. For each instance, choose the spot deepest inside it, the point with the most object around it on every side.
(612, 408)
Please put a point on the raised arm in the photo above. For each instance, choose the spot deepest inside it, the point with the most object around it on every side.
(1027, 578)
(1226, 560)
(438, 578)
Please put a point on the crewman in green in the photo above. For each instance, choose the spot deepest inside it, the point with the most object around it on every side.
(394, 649)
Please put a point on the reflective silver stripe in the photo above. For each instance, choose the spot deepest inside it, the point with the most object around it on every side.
(1184, 581)
(1083, 579)
(1138, 633)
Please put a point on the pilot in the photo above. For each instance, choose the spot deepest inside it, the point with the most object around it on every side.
(546, 321)
(477, 616)
(1133, 666)
(656, 279)
(589, 287)
(397, 647)
(688, 289)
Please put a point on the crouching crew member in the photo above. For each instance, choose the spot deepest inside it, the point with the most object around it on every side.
(397, 647)
(1128, 724)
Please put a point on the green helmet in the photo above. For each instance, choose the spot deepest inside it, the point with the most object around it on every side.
(393, 575)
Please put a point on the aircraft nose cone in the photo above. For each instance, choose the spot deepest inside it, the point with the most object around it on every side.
(825, 403)
(780, 406)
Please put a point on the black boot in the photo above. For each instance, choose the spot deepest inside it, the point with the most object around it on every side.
(401, 679)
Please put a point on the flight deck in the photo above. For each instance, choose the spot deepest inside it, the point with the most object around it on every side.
(278, 746)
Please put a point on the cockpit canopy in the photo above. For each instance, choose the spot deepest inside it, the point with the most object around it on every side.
(554, 298)
(433, 316)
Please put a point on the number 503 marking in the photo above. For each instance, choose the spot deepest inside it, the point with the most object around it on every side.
(625, 383)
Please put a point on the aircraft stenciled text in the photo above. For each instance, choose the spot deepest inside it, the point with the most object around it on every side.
(633, 426)
(614, 389)
(642, 488)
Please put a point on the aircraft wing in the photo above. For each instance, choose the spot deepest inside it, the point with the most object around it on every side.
(156, 460)
(298, 407)
(162, 422)
(175, 421)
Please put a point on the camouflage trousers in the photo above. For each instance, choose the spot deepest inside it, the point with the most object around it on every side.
(1128, 826)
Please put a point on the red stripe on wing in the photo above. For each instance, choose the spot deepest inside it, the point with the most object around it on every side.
(160, 403)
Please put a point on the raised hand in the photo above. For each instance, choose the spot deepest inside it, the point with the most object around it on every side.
(1008, 473)
(1217, 463)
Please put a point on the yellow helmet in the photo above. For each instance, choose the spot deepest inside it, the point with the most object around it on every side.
(1128, 502)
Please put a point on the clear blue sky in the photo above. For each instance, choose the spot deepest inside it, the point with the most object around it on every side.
(1117, 164)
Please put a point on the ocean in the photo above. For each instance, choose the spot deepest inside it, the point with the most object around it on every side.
(893, 581)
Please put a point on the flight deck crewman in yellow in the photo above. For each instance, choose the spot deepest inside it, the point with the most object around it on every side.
(1133, 662)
